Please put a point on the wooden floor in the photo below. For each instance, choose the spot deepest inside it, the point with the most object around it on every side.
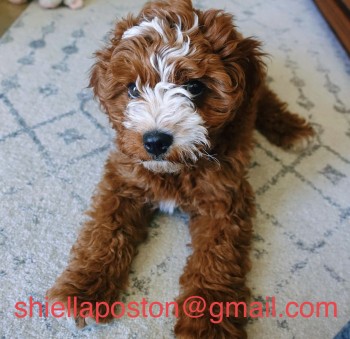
(337, 14)
(8, 14)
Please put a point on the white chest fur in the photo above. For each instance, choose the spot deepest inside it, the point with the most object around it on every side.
(167, 206)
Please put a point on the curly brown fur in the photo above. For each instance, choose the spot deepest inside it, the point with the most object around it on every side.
(205, 177)
(279, 126)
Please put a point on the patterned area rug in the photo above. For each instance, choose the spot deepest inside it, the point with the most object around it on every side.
(54, 141)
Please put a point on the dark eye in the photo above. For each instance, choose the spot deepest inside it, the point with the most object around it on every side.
(133, 92)
(195, 87)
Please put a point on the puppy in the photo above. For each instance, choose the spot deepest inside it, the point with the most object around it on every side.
(184, 91)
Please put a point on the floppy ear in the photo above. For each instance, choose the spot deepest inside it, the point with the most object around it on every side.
(101, 76)
(98, 81)
(242, 57)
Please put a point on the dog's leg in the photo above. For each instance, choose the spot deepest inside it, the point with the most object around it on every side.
(279, 126)
(100, 259)
(221, 233)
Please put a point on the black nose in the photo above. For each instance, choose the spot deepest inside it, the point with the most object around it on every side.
(157, 143)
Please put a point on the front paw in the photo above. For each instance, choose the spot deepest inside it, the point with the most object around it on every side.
(79, 307)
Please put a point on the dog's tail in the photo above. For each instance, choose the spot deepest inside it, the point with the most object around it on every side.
(279, 126)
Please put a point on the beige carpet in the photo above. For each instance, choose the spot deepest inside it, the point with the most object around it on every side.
(54, 141)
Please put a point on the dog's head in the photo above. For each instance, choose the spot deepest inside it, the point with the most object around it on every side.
(171, 79)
